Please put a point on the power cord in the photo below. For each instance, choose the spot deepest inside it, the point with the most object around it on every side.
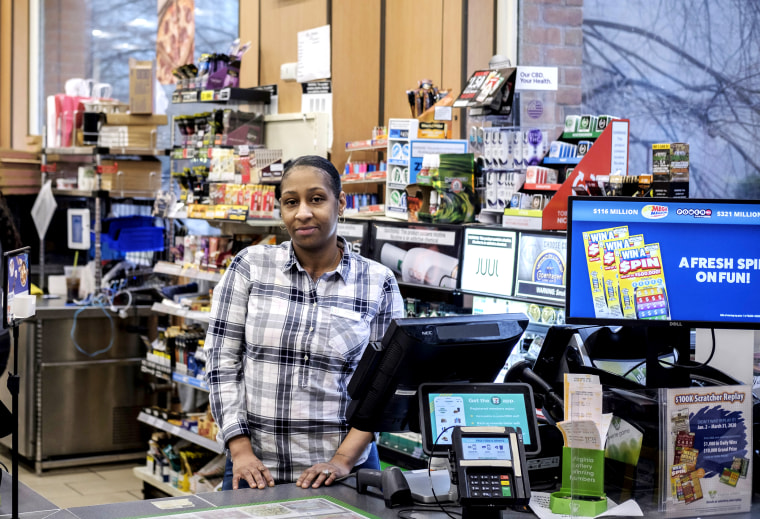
(99, 301)
(430, 477)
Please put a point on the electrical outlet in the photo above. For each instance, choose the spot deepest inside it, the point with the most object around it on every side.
(288, 71)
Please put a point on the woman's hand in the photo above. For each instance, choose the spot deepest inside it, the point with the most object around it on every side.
(245, 465)
(322, 473)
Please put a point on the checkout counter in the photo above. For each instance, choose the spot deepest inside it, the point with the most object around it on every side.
(75, 408)
(34, 506)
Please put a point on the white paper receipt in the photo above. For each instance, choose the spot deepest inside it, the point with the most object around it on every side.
(174, 504)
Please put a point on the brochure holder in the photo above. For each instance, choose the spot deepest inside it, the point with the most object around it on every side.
(582, 491)
(608, 155)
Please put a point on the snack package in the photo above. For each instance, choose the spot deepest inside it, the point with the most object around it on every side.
(591, 241)
(609, 267)
(640, 273)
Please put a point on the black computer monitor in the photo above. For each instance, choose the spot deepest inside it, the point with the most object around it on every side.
(471, 348)
(663, 265)
(663, 262)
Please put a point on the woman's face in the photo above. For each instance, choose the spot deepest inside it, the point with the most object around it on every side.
(310, 209)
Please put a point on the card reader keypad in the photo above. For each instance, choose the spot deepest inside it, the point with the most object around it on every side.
(489, 485)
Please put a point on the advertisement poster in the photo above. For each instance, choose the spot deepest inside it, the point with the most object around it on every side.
(693, 252)
(706, 441)
(419, 254)
(541, 267)
(16, 279)
(488, 261)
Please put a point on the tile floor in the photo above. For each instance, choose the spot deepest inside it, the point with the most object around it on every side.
(81, 486)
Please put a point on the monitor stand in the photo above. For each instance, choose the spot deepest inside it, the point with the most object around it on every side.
(663, 339)
(423, 485)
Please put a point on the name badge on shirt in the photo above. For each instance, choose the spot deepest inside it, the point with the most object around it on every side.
(348, 314)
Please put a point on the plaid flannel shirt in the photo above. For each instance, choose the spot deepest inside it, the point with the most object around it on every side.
(282, 347)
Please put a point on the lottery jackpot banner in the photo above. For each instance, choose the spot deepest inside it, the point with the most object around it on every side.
(699, 260)
(706, 441)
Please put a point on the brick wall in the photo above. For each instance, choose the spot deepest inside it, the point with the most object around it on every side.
(551, 35)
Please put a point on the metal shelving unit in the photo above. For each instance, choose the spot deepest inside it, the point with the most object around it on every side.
(173, 269)
(144, 475)
(180, 312)
(175, 430)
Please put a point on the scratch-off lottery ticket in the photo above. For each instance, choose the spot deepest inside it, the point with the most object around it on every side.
(609, 270)
(591, 241)
(640, 273)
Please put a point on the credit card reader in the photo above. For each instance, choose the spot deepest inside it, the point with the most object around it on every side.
(490, 470)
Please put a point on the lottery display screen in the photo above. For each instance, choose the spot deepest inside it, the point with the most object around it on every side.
(659, 261)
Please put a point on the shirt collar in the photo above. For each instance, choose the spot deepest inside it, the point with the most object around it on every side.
(344, 267)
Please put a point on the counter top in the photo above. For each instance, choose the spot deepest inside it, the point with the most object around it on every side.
(34, 506)
(59, 309)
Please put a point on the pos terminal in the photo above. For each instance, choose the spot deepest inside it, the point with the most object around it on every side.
(485, 431)
(489, 466)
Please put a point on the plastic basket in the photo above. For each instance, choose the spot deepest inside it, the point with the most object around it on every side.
(133, 234)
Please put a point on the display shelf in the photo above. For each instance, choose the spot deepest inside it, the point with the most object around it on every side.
(121, 193)
(173, 269)
(190, 381)
(70, 150)
(263, 222)
(397, 185)
(107, 150)
(581, 135)
(562, 160)
(364, 181)
(541, 187)
(368, 145)
(245, 95)
(157, 370)
(144, 475)
(181, 312)
(196, 439)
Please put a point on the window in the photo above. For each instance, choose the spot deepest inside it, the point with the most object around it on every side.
(681, 71)
(95, 39)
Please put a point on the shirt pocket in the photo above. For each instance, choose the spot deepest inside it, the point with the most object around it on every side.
(349, 332)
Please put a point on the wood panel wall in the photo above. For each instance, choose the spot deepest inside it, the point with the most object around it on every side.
(281, 20)
(20, 81)
(14, 73)
(355, 75)
(6, 61)
(249, 31)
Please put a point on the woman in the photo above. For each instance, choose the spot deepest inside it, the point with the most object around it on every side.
(288, 326)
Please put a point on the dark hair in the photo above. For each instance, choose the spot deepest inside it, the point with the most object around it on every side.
(315, 161)
(9, 236)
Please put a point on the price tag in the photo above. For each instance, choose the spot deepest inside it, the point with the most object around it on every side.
(207, 95)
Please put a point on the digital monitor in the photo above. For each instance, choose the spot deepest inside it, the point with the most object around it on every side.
(541, 264)
(488, 261)
(15, 280)
(683, 263)
(444, 406)
(468, 348)
(486, 448)
(419, 254)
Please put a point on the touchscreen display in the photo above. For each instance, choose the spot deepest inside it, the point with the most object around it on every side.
(486, 449)
(477, 409)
